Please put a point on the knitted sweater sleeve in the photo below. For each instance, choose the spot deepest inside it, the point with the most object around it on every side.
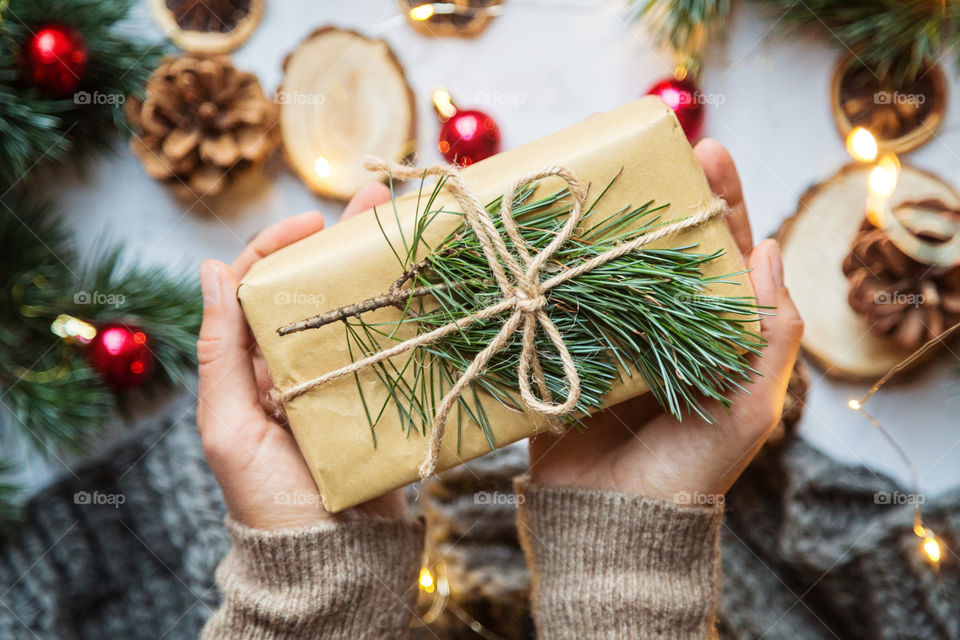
(354, 579)
(612, 566)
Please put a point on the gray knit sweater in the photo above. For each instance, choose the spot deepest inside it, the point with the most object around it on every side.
(807, 553)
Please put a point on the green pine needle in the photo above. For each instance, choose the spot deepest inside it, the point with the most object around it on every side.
(647, 313)
(38, 130)
(54, 398)
(894, 39)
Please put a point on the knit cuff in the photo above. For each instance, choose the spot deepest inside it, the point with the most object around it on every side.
(354, 579)
(615, 565)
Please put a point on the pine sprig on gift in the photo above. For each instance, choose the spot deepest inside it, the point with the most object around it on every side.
(36, 129)
(52, 395)
(648, 313)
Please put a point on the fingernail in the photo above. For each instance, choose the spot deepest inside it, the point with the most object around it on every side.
(776, 264)
(210, 283)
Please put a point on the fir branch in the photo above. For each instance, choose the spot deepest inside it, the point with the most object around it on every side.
(682, 25)
(648, 313)
(39, 130)
(54, 397)
(895, 39)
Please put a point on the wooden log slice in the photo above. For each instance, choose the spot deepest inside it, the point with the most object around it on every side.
(202, 26)
(344, 96)
(814, 242)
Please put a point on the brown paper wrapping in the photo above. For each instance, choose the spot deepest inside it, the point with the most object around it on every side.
(351, 262)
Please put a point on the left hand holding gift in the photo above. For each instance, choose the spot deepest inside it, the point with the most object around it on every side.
(265, 482)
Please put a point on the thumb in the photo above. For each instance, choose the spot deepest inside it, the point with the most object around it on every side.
(228, 390)
(782, 329)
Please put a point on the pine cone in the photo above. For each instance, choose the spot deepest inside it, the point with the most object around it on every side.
(201, 123)
(905, 300)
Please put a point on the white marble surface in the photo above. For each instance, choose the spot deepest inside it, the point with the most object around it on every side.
(542, 66)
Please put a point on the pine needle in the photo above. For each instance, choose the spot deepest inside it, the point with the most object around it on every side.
(649, 314)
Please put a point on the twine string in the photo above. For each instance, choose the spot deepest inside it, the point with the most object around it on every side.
(518, 274)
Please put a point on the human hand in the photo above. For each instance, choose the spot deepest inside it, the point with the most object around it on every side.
(265, 482)
(635, 448)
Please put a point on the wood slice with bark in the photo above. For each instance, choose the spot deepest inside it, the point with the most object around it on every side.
(815, 241)
(344, 96)
(207, 26)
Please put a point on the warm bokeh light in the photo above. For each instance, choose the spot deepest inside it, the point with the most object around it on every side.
(443, 103)
(883, 177)
(426, 580)
(70, 328)
(422, 12)
(854, 404)
(321, 166)
(932, 548)
(862, 145)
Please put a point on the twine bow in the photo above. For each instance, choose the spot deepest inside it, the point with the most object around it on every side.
(524, 295)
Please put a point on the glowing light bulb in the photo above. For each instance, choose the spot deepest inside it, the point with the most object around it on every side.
(422, 12)
(70, 328)
(884, 176)
(854, 404)
(862, 145)
(321, 166)
(426, 580)
(932, 548)
(443, 103)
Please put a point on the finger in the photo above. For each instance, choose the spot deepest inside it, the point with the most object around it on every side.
(782, 328)
(724, 181)
(228, 390)
(370, 196)
(276, 236)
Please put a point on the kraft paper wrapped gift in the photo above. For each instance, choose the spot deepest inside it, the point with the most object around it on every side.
(351, 262)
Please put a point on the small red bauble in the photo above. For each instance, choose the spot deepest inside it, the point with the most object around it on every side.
(56, 59)
(121, 354)
(686, 100)
(468, 136)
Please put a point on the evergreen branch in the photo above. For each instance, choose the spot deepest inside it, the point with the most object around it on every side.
(648, 313)
(52, 395)
(894, 39)
(37, 129)
(683, 25)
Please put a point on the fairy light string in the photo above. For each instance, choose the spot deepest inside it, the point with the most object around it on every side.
(931, 546)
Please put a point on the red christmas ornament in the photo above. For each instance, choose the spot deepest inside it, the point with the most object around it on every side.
(684, 97)
(466, 135)
(56, 59)
(121, 354)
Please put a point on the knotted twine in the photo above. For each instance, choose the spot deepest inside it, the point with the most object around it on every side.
(524, 294)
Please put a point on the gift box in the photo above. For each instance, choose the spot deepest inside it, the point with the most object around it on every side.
(637, 153)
